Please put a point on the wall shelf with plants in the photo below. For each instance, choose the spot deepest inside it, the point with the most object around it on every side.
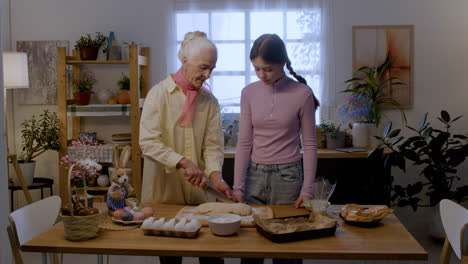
(138, 67)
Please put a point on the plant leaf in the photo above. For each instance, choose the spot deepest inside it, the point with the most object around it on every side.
(387, 129)
(423, 122)
(445, 116)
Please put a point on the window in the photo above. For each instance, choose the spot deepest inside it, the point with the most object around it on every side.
(233, 32)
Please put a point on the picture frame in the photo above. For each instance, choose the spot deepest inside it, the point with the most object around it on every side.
(374, 45)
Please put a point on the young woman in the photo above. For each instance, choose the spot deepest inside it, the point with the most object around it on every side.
(274, 113)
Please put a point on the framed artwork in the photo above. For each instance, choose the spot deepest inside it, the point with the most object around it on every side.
(374, 45)
(42, 66)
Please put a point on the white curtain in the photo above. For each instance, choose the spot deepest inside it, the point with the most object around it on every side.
(311, 54)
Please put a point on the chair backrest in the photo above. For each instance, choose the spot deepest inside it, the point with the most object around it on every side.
(35, 218)
(455, 221)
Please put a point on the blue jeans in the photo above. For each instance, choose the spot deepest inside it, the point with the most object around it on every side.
(273, 184)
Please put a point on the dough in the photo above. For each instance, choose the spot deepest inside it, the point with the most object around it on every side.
(224, 208)
(353, 212)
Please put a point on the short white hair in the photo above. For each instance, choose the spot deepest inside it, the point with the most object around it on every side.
(193, 43)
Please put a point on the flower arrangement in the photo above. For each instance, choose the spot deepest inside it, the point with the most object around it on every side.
(84, 154)
(357, 108)
(371, 83)
(86, 81)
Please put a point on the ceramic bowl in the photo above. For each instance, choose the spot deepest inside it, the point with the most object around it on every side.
(316, 205)
(224, 224)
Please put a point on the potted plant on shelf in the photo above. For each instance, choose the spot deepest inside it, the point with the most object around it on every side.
(437, 152)
(89, 46)
(37, 136)
(124, 85)
(371, 83)
(332, 137)
(364, 106)
(84, 86)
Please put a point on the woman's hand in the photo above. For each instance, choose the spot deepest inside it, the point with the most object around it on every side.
(192, 173)
(298, 202)
(220, 185)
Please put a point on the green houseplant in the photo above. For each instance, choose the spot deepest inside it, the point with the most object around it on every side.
(437, 151)
(369, 84)
(332, 137)
(89, 46)
(84, 85)
(39, 135)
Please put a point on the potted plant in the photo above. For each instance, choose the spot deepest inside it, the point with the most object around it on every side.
(84, 86)
(332, 137)
(436, 151)
(89, 46)
(37, 136)
(370, 84)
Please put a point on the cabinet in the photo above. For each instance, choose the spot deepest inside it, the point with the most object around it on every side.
(138, 65)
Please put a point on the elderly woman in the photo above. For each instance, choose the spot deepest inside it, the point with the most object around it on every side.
(180, 131)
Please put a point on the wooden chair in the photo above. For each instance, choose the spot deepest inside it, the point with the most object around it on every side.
(30, 221)
(455, 222)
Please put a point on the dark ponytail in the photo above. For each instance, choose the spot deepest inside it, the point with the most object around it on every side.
(300, 79)
(271, 49)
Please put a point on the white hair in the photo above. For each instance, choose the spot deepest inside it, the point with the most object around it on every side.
(193, 43)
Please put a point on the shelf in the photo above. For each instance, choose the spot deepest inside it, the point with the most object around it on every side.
(98, 188)
(95, 62)
(99, 110)
(142, 61)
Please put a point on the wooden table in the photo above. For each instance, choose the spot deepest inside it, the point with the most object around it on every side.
(389, 241)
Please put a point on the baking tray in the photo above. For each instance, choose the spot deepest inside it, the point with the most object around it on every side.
(296, 236)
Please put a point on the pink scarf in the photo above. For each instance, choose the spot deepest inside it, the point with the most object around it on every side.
(191, 92)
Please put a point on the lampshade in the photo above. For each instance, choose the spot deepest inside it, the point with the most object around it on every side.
(15, 70)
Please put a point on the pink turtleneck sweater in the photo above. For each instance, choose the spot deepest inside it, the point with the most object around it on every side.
(272, 118)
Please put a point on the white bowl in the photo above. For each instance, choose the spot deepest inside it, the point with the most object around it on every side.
(224, 224)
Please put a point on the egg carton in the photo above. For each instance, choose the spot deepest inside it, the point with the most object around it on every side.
(172, 233)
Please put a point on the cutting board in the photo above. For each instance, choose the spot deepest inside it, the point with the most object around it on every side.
(263, 211)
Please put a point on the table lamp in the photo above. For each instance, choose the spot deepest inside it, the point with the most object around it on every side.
(15, 75)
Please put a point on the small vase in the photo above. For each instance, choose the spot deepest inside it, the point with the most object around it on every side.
(103, 180)
(82, 98)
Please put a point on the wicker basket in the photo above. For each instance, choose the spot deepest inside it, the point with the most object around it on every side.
(80, 227)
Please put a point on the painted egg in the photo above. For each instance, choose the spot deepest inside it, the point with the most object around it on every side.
(147, 211)
(127, 216)
(138, 216)
(117, 214)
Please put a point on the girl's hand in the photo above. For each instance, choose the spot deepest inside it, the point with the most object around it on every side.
(237, 198)
(300, 200)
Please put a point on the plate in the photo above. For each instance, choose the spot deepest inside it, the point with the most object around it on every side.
(139, 222)
(374, 223)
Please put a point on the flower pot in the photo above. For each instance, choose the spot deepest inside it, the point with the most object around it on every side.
(28, 173)
(364, 135)
(89, 53)
(82, 98)
(337, 141)
(436, 229)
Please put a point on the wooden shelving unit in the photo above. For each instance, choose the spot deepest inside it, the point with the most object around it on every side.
(138, 65)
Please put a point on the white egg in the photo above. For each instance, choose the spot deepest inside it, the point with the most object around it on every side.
(158, 225)
(180, 226)
(169, 225)
(147, 224)
(192, 226)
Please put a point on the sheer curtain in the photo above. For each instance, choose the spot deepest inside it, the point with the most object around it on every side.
(306, 26)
